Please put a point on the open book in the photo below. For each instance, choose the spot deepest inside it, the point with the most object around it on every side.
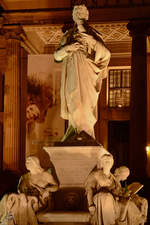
(133, 189)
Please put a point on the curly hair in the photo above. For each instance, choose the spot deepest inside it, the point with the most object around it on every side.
(81, 12)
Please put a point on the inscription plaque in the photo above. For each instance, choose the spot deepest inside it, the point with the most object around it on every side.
(74, 163)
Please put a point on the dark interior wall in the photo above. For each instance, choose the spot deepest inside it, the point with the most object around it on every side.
(1, 92)
(118, 141)
(1, 146)
(148, 99)
(1, 122)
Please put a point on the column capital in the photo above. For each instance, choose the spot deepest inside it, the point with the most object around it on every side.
(12, 32)
(139, 27)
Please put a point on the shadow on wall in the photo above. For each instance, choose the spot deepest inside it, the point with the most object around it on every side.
(9, 181)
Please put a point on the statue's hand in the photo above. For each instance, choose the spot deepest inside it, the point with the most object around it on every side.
(45, 195)
(92, 209)
(89, 40)
(74, 47)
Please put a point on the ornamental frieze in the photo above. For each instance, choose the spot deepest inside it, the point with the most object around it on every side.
(51, 34)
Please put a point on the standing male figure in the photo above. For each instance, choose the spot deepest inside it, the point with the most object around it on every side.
(85, 60)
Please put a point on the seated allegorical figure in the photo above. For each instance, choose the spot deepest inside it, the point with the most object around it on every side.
(34, 194)
(106, 202)
(121, 174)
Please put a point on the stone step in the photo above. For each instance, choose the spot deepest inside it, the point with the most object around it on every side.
(64, 216)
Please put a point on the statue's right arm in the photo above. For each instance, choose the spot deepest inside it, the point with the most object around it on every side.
(90, 197)
(89, 187)
(60, 54)
(52, 183)
(22, 185)
(66, 50)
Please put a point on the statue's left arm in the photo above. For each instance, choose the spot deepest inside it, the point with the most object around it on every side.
(52, 185)
(102, 55)
(89, 188)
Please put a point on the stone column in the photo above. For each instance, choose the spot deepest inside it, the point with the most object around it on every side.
(2, 69)
(138, 123)
(11, 147)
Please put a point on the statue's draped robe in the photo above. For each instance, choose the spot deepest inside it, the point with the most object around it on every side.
(18, 209)
(109, 208)
(21, 208)
(82, 74)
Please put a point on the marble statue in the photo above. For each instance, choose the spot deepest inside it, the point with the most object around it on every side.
(34, 194)
(106, 202)
(85, 60)
(121, 174)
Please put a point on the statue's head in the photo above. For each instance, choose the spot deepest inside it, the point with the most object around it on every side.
(80, 13)
(106, 161)
(32, 163)
(122, 173)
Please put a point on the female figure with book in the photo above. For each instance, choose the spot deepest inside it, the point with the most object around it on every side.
(106, 201)
(134, 199)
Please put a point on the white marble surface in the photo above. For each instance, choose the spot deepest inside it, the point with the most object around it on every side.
(64, 217)
(74, 163)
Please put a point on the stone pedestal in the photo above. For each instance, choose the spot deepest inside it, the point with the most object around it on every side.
(74, 163)
(67, 217)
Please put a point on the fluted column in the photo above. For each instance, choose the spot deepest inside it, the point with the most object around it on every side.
(11, 151)
(138, 124)
(2, 68)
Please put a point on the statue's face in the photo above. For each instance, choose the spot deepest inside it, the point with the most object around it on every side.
(107, 161)
(80, 13)
(32, 163)
(124, 175)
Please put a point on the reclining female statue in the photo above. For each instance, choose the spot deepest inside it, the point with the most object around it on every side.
(106, 202)
(34, 194)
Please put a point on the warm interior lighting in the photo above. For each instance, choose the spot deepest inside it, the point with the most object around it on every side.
(148, 148)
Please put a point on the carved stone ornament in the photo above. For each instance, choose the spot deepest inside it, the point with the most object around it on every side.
(52, 34)
(12, 32)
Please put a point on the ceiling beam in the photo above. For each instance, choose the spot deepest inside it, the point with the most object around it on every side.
(54, 16)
